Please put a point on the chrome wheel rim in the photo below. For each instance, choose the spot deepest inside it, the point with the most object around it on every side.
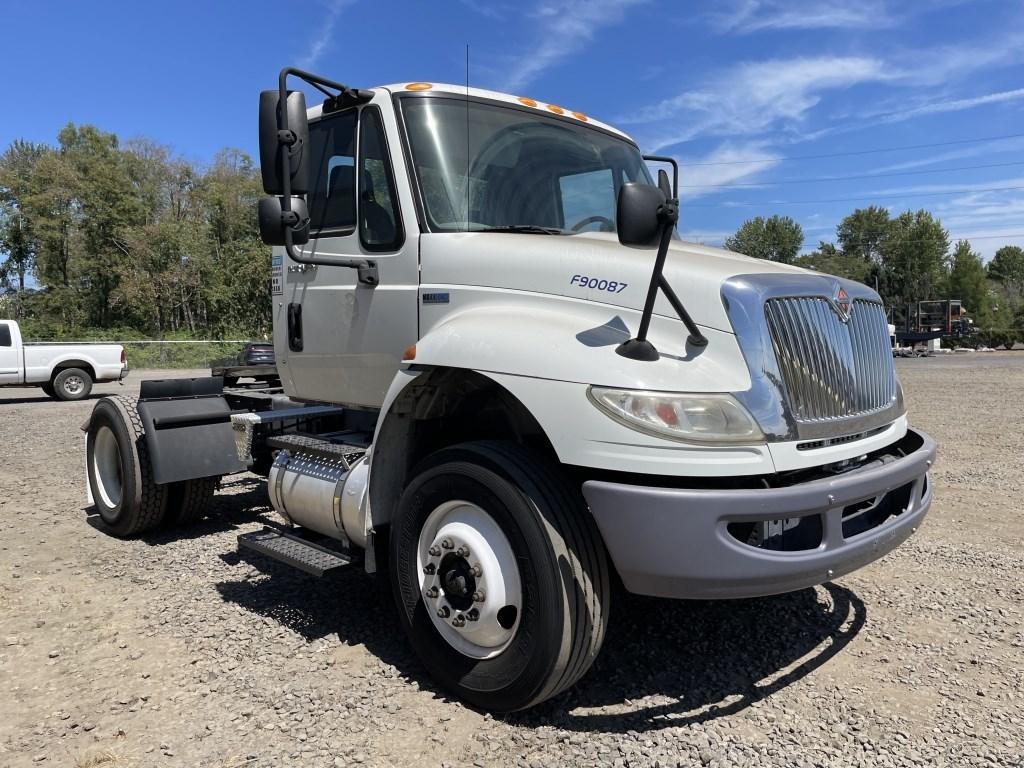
(469, 579)
(106, 459)
(74, 385)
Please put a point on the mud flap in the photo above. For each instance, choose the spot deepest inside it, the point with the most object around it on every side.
(188, 429)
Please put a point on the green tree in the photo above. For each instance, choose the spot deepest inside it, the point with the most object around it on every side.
(16, 238)
(830, 260)
(862, 233)
(913, 254)
(968, 281)
(1007, 267)
(777, 238)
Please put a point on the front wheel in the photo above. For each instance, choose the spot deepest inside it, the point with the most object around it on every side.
(500, 575)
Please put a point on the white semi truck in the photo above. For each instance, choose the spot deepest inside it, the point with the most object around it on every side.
(507, 383)
(62, 371)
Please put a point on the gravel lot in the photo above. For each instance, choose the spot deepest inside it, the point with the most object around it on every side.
(171, 650)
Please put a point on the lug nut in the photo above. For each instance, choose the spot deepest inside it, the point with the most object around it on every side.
(462, 552)
(472, 614)
(478, 596)
(459, 621)
(443, 612)
(434, 551)
(429, 569)
(432, 592)
(447, 544)
(477, 570)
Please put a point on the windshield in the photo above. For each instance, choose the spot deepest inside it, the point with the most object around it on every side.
(485, 167)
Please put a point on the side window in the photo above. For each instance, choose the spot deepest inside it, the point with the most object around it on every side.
(5, 336)
(379, 225)
(589, 195)
(332, 195)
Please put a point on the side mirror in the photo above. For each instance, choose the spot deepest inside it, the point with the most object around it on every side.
(636, 215)
(284, 152)
(274, 221)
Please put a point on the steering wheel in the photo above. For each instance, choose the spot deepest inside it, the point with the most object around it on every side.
(607, 225)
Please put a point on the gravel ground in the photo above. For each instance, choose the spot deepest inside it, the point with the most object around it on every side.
(171, 650)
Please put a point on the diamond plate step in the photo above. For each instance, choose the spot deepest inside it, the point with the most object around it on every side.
(294, 551)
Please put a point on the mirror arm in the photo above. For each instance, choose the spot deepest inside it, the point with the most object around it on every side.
(696, 338)
(675, 171)
(367, 269)
(639, 348)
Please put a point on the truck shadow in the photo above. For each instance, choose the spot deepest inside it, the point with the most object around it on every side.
(676, 663)
(664, 663)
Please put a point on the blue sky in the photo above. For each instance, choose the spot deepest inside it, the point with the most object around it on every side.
(748, 94)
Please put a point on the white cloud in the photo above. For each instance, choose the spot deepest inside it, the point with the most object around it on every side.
(987, 148)
(728, 163)
(566, 27)
(754, 97)
(323, 37)
(952, 105)
(746, 16)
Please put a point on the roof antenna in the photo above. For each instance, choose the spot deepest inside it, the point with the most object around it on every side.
(465, 183)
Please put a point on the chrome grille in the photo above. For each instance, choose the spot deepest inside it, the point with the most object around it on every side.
(832, 369)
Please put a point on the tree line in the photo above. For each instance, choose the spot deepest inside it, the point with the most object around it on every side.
(96, 233)
(907, 258)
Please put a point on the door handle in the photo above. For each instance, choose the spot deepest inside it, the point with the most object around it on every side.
(295, 327)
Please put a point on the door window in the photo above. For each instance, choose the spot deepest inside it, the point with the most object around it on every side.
(332, 194)
(379, 225)
(5, 336)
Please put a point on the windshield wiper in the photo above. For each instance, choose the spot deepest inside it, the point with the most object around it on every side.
(526, 229)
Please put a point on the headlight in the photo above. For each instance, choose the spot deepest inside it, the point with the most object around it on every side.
(710, 418)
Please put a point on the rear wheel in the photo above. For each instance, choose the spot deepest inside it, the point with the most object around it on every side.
(119, 470)
(72, 384)
(499, 574)
(188, 500)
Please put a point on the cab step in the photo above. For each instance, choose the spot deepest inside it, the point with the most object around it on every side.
(296, 551)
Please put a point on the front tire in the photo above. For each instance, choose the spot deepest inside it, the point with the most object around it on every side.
(120, 474)
(72, 384)
(500, 575)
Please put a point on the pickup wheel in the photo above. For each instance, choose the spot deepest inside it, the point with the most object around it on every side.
(72, 384)
(120, 474)
(188, 500)
(500, 575)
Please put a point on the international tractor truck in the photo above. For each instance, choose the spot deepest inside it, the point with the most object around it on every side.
(507, 385)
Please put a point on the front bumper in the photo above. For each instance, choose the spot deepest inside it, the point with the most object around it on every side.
(673, 542)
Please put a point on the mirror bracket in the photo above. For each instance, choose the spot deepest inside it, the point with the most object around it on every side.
(287, 138)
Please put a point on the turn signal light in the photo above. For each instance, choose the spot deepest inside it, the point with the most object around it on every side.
(410, 353)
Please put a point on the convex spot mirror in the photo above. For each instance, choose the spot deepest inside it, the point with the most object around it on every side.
(274, 221)
(636, 215)
(282, 153)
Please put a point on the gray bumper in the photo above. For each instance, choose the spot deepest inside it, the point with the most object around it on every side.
(674, 542)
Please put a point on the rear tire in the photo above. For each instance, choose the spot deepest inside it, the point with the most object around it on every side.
(119, 470)
(188, 500)
(530, 539)
(72, 384)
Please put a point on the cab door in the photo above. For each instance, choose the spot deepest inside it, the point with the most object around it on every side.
(10, 355)
(339, 340)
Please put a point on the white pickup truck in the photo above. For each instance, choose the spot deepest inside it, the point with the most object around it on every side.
(63, 371)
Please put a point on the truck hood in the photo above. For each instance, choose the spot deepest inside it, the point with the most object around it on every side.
(591, 266)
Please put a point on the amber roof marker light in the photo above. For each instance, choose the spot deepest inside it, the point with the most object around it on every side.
(419, 86)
